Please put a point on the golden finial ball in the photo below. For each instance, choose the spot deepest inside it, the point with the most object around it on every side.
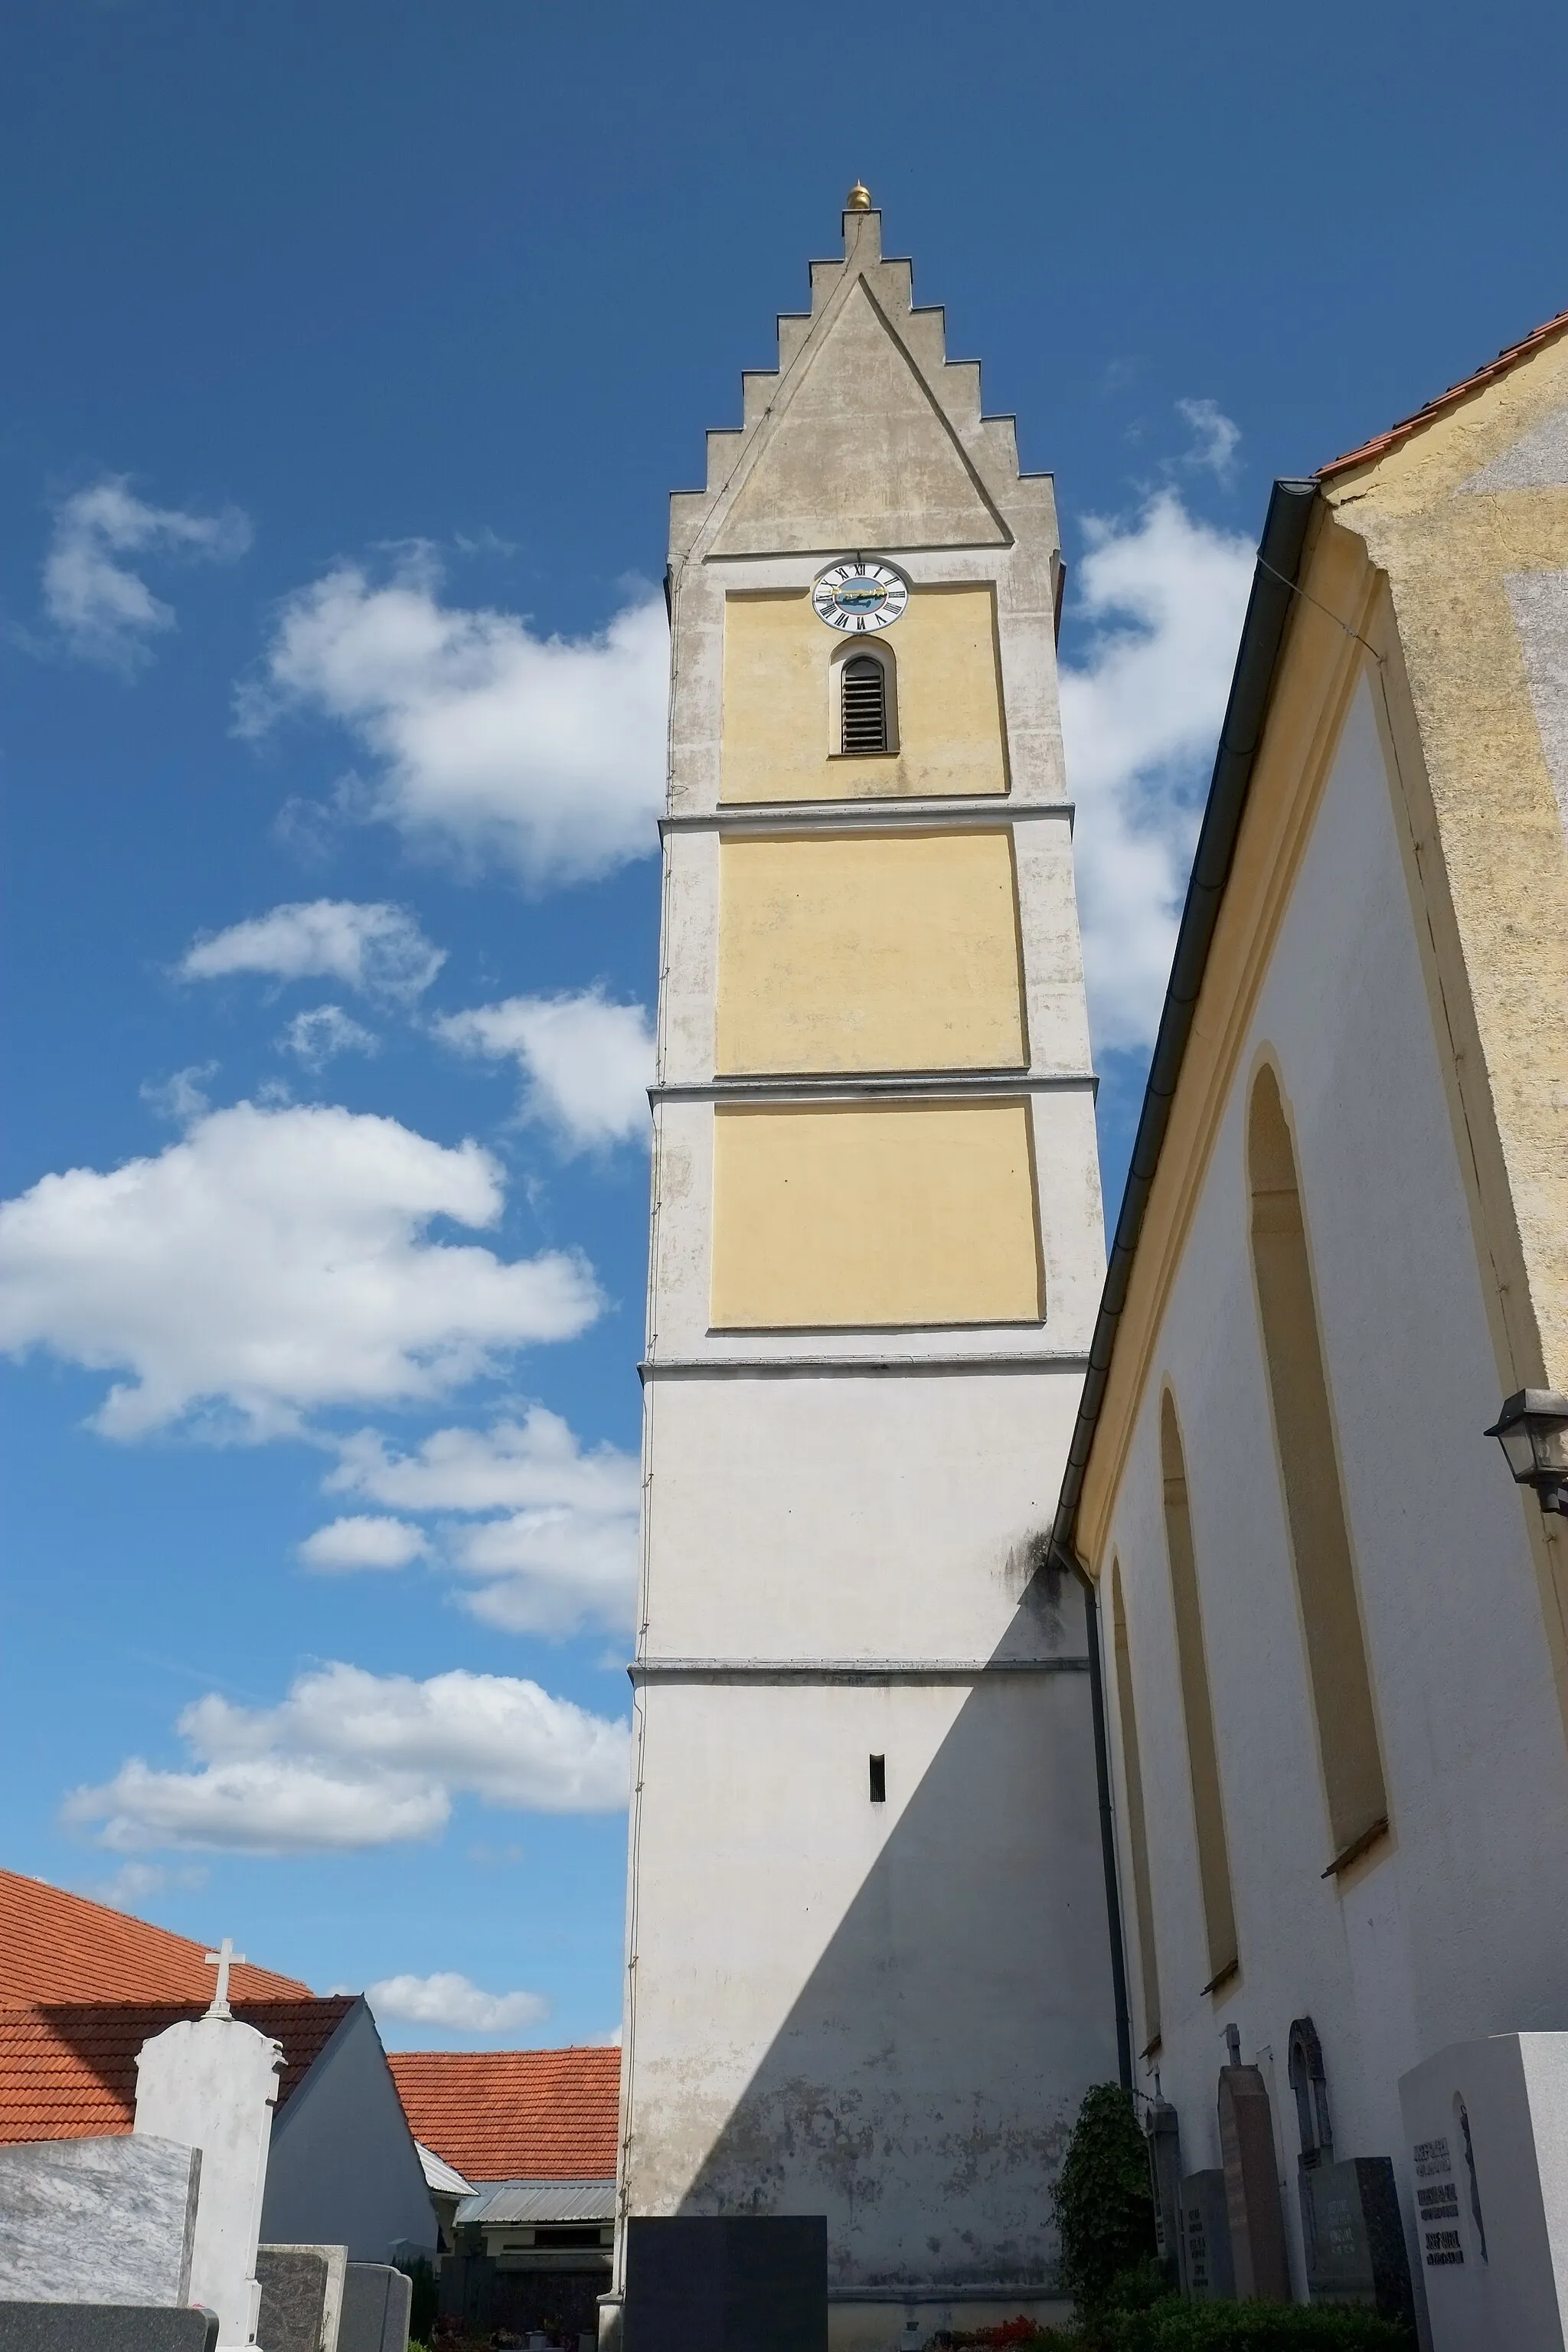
(858, 200)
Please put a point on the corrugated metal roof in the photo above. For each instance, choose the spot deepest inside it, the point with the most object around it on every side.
(441, 2177)
(511, 2201)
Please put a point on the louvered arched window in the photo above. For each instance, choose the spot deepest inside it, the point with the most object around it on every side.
(863, 704)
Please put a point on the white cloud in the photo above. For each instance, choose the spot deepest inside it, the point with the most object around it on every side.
(452, 2001)
(315, 1037)
(378, 949)
(586, 1064)
(364, 1542)
(353, 1760)
(565, 1552)
(135, 1882)
(274, 1261)
(1216, 438)
(548, 752)
(103, 609)
(1141, 717)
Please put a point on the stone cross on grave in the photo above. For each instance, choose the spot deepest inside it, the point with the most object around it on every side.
(223, 1959)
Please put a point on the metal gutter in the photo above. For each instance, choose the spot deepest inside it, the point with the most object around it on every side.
(1280, 555)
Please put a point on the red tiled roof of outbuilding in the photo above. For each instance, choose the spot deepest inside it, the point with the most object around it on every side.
(55, 1947)
(1456, 391)
(68, 2071)
(514, 2114)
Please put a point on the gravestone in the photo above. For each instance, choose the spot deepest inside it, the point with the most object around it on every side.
(376, 2303)
(1165, 2182)
(104, 2327)
(1252, 2187)
(210, 2081)
(97, 2220)
(1353, 2236)
(1486, 2124)
(1203, 2249)
(726, 2282)
(301, 2297)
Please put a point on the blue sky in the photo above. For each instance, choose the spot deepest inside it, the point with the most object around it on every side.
(353, 350)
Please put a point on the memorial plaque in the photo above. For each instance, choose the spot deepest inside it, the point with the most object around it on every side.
(377, 2300)
(1252, 2187)
(729, 2282)
(1353, 2236)
(97, 2220)
(105, 2327)
(1207, 2274)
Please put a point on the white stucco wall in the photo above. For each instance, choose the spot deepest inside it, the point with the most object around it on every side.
(344, 2169)
(1453, 1927)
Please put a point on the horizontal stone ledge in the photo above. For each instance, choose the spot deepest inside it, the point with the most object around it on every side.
(834, 816)
(774, 1368)
(907, 1085)
(843, 1670)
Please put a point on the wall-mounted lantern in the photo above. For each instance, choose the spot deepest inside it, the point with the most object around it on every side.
(1532, 1430)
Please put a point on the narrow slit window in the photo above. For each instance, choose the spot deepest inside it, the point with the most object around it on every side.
(863, 693)
(878, 1780)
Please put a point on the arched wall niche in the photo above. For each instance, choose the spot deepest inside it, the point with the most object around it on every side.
(1137, 1821)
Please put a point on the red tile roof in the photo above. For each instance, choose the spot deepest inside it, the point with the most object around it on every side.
(1456, 391)
(55, 1947)
(69, 2072)
(514, 2114)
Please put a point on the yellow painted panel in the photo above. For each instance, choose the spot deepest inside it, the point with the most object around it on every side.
(883, 951)
(777, 741)
(866, 1217)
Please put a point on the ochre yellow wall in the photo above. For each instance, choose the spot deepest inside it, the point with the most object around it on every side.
(872, 1216)
(887, 952)
(777, 740)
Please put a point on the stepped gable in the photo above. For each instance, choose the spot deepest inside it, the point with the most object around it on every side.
(514, 2114)
(866, 433)
(68, 2071)
(60, 1947)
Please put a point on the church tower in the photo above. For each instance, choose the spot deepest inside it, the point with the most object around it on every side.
(869, 1974)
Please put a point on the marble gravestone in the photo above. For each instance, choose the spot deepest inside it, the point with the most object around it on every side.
(104, 2327)
(97, 2220)
(301, 2297)
(377, 2301)
(1487, 2125)
(1203, 2249)
(211, 2082)
(1252, 2187)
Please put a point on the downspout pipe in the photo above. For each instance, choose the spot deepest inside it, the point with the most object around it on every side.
(1274, 580)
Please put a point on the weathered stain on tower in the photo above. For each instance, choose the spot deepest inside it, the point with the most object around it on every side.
(869, 1970)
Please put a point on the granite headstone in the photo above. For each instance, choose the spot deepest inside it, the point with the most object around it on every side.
(377, 2301)
(1206, 2273)
(1252, 2187)
(301, 2297)
(104, 2327)
(731, 2283)
(1353, 2236)
(1164, 2142)
(97, 2220)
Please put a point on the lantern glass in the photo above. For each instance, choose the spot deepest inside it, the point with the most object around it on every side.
(1532, 1430)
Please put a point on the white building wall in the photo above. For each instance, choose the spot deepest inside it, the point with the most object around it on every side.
(344, 2169)
(1453, 1927)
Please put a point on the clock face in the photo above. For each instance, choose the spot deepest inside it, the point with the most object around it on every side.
(860, 596)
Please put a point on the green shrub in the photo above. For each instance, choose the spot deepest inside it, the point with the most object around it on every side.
(1177, 2326)
(1105, 2209)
